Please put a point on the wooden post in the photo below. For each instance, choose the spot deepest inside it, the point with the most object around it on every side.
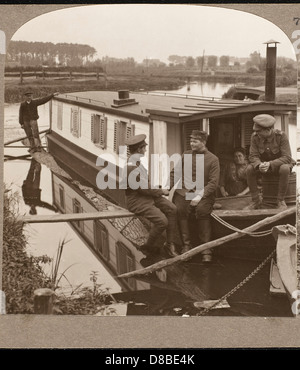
(21, 77)
(70, 75)
(43, 74)
(98, 76)
(43, 301)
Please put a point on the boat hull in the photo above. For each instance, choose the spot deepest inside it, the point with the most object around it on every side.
(81, 163)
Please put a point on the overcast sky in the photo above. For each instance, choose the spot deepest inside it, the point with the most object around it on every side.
(157, 31)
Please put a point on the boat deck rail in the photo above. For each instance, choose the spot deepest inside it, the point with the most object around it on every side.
(186, 96)
(80, 98)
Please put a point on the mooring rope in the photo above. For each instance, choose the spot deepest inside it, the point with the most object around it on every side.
(254, 234)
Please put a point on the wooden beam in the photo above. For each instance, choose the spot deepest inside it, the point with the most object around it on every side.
(23, 138)
(244, 214)
(75, 216)
(212, 244)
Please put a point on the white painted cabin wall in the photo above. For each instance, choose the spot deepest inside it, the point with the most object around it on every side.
(84, 141)
(113, 235)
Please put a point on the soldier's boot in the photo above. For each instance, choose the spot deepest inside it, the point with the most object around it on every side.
(281, 205)
(32, 148)
(170, 249)
(256, 203)
(150, 247)
(204, 235)
(185, 235)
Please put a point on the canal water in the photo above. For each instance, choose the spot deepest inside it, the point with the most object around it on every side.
(253, 299)
(202, 89)
(43, 239)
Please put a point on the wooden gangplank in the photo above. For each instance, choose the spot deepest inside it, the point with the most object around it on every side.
(34, 219)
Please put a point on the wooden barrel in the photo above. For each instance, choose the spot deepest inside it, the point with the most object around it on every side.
(270, 189)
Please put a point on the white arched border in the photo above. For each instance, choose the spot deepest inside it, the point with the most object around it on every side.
(2, 42)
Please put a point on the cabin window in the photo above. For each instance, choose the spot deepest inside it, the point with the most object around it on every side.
(120, 132)
(99, 130)
(75, 122)
(77, 208)
(125, 263)
(130, 130)
(61, 197)
(101, 244)
(59, 115)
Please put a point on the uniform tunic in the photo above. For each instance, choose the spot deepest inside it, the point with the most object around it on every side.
(211, 173)
(276, 150)
(150, 204)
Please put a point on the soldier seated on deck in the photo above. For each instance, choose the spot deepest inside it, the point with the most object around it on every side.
(270, 154)
(148, 202)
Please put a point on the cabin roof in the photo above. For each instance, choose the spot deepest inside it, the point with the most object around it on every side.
(168, 106)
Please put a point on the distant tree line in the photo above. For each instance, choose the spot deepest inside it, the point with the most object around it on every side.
(254, 63)
(27, 53)
(31, 55)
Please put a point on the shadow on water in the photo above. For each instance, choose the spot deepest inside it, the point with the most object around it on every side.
(191, 282)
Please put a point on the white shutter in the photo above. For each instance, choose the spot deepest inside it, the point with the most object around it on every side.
(116, 136)
(103, 131)
(93, 128)
(59, 115)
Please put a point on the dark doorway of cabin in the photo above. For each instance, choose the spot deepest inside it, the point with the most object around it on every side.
(223, 137)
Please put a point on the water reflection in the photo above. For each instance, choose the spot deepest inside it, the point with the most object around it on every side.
(31, 189)
(32, 182)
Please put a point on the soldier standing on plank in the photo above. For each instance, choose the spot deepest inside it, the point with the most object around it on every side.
(28, 116)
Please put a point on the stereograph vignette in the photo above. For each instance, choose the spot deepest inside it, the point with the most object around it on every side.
(97, 110)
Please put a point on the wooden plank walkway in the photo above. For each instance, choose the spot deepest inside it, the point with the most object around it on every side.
(117, 213)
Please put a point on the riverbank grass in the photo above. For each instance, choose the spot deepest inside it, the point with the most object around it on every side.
(22, 274)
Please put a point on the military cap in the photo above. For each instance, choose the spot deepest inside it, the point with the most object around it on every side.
(199, 135)
(263, 121)
(28, 92)
(136, 140)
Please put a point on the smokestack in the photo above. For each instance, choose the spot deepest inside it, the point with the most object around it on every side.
(271, 71)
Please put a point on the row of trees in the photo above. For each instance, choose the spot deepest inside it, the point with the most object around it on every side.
(47, 53)
(254, 62)
(24, 53)
(209, 61)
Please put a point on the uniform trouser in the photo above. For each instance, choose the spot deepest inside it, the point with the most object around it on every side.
(32, 132)
(163, 216)
(202, 212)
(283, 173)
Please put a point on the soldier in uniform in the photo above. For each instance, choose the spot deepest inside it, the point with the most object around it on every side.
(201, 205)
(28, 116)
(149, 203)
(270, 153)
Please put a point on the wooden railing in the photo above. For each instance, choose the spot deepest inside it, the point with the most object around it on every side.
(70, 75)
